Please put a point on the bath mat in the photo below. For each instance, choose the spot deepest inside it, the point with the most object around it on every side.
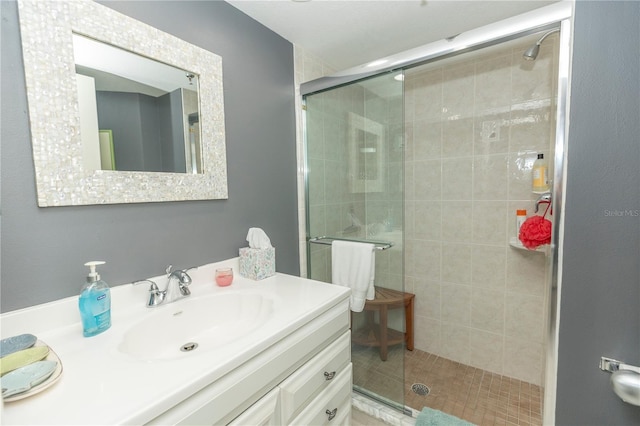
(430, 417)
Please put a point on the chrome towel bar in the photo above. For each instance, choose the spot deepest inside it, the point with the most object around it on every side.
(379, 245)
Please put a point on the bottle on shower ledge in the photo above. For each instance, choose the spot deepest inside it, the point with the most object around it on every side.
(540, 175)
(521, 216)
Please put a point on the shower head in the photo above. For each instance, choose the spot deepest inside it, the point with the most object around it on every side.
(532, 52)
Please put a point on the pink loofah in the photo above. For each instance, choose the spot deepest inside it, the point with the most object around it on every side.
(535, 231)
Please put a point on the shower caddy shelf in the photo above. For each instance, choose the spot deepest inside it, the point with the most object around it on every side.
(513, 242)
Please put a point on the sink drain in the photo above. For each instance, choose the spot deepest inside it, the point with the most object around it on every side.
(420, 389)
(188, 347)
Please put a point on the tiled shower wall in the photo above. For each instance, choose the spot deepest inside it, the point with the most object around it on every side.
(473, 129)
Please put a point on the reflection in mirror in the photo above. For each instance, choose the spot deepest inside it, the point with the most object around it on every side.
(367, 154)
(71, 171)
(146, 111)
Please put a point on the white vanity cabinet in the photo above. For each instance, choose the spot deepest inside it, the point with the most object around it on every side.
(318, 393)
(318, 375)
(285, 384)
(332, 406)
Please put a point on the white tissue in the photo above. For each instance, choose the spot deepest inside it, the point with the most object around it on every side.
(258, 239)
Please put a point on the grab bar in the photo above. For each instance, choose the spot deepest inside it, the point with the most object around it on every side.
(379, 245)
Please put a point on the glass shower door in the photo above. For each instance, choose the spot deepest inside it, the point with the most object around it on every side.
(354, 191)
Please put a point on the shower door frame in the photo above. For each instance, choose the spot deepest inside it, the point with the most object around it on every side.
(556, 16)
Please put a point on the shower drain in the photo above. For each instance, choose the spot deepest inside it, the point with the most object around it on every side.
(420, 389)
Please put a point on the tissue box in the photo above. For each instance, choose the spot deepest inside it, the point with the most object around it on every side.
(257, 264)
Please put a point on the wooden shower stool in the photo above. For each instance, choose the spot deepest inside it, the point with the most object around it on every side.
(373, 334)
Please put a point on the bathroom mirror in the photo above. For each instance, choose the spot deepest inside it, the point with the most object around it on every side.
(65, 174)
(148, 109)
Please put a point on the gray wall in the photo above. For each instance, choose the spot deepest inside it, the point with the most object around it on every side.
(43, 249)
(600, 309)
(123, 113)
(148, 132)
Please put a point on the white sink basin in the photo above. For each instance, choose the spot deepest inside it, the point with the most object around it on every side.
(195, 325)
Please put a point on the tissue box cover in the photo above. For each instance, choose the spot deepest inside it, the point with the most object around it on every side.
(257, 264)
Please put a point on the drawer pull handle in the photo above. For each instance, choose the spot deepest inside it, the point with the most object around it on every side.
(329, 376)
(331, 413)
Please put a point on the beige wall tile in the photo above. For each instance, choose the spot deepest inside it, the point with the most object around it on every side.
(458, 90)
(488, 265)
(429, 339)
(427, 139)
(487, 310)
(428, 223)
(456, 263)
(455, 304)
(523, 360)
(427, 257)
(489, 222)
(457, 178)
(486, 351)
(427, 178)
(490, 177)
(524, 317)
(455, 343)
(457, 137)
(427, 300)
(493, 83)
(526, 272)
(530, 126)
(457, 220)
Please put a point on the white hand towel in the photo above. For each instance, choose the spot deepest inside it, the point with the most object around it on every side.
(353, 265)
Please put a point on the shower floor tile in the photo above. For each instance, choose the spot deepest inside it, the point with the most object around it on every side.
(472, 394)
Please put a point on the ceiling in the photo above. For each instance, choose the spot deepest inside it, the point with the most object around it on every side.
(347, 33)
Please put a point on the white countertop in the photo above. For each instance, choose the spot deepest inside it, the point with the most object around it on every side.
(100, 385)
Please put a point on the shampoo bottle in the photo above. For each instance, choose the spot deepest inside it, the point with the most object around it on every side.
(540, 178)
(521, 216)
(95, 303)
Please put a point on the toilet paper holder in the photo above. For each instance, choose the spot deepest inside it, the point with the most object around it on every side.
(612, 365)
(625, 379)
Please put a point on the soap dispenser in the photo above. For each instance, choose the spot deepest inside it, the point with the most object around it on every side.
(95, 303)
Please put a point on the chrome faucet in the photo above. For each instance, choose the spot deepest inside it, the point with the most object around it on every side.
(177, 288)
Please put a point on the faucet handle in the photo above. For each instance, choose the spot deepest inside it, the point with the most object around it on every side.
(168, 270)
(155, 295)
(146, 281)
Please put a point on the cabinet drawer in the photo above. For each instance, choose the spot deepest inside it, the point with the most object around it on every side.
(314, 376)
(331, 404)
(263, 413)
